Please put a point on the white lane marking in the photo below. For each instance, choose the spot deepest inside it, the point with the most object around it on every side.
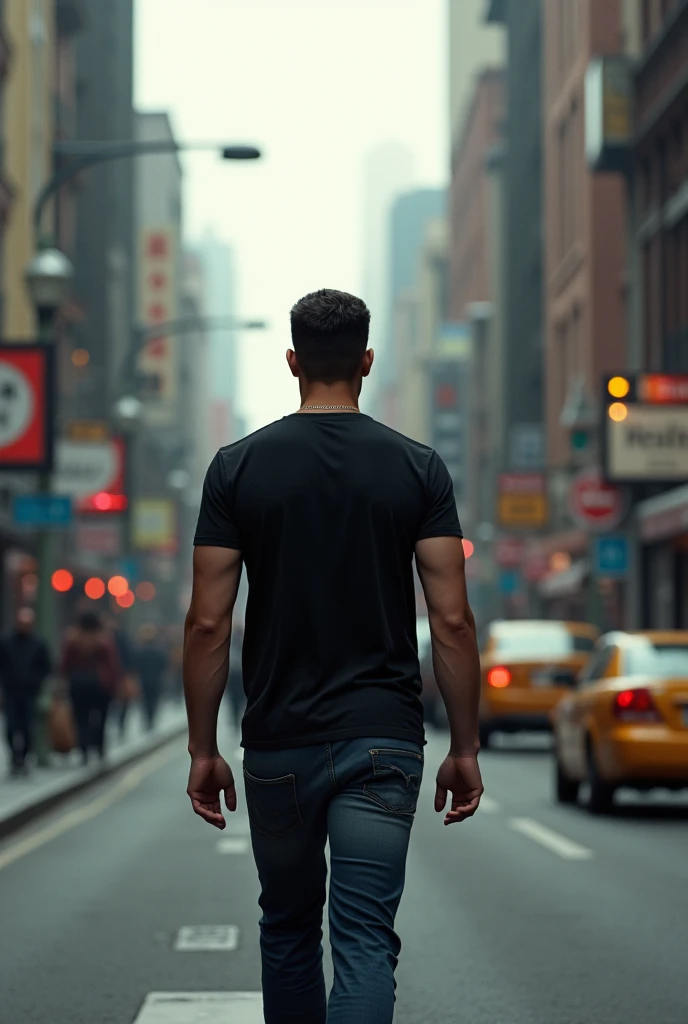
(207, 938)
(550, 839)
(239, 753)
(202, 1008)
(233, 845)
(489, 806)
(80, 815)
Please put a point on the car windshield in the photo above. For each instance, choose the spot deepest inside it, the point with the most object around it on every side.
(544, 640)
(643, 658)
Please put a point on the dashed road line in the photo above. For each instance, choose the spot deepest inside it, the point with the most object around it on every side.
(207, 938)
(489, 806)
(72, 819)
(551, 840)
(201, 1008)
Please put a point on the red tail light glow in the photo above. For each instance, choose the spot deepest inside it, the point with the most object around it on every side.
(499, 677)
(636, 706)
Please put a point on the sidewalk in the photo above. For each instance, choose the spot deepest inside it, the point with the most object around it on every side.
(24, 798)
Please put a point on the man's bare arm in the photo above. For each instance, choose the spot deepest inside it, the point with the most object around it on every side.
(441, 567)
(207, 635)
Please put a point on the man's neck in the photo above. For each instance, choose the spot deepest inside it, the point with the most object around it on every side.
(340, 394)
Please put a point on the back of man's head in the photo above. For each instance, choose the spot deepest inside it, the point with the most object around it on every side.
(330, 331)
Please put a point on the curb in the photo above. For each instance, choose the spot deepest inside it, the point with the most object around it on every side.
(52, 796)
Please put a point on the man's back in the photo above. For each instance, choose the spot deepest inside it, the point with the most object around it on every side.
(326, 509)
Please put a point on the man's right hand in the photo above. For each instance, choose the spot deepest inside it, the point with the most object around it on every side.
(461, 777)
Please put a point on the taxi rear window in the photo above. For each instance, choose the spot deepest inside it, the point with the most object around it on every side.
(539, 642)
(643, 658)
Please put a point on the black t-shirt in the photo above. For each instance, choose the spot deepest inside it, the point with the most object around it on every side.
(326, 509)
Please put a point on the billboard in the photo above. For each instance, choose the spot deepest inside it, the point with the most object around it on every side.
(646, 427)
(26, 407)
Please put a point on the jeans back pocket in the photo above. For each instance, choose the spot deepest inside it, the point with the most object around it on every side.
(272, 805)
(397, 776)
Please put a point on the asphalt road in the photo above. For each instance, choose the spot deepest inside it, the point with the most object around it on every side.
(528, 914)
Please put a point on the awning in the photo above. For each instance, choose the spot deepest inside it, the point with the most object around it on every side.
(664, 516)
(563, 584)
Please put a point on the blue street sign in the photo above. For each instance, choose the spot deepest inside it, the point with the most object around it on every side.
(509, 582)
(41, 511)
(611, 557)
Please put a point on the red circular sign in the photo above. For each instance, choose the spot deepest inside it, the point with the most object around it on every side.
(595, 504)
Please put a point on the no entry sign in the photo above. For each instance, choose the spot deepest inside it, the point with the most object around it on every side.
(594, 504)
(26, 420)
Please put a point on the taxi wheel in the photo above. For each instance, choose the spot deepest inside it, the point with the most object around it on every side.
(601, 799)
(484, 735)
(566, 789)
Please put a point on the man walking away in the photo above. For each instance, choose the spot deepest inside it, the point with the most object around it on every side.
(151, 663)
(24, 667)
(328, 509)
(91, 667)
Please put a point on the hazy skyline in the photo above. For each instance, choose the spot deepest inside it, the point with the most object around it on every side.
(317, 84)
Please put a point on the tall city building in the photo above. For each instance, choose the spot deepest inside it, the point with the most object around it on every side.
(410, 217)
(217, 260)
(387, 173)
(104, 278)
(473, 45)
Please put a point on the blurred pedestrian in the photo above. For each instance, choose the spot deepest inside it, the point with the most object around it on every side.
(235, 681)
(24, 668)
(91, 667)
(329, 509)
(127, 689)
(151, 662)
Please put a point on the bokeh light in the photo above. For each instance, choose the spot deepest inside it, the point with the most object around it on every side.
(94, 588)
(146, 591)
(618, 387)
(126, 599)
(118, 585)
(468, 547)
(80, 357)
(618, 412)
(62, 581)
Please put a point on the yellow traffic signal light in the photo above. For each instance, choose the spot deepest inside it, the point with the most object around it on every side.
(618, 387)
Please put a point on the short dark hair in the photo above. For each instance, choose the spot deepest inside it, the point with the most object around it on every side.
(330, 331)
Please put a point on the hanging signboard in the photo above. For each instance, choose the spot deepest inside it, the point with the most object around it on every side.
(26, 407)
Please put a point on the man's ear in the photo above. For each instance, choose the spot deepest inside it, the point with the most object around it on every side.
(293, 363)
(367, 364)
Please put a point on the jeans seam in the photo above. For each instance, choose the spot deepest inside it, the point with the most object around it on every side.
(330, 765)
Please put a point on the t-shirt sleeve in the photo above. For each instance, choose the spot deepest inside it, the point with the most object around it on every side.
(441, 518)
(216, 527)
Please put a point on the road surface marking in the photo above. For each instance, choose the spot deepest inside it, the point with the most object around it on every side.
(489, 806)
(239, 753)
(207, 938)
(72, 819)
(233, 845)
(202, 1008)
(550, 839)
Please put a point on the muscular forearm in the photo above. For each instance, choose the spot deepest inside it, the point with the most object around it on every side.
(457, 670)
(206, 663)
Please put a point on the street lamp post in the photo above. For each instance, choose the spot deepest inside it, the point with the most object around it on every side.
(48, 280)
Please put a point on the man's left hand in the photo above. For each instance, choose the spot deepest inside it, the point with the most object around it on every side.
(208, 777)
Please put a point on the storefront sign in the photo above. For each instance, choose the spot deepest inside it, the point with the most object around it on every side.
(159, 360)
(93, 473)
(595, 504)
(611, 557)
(609, 112)
(662, 388)
(522, 500)
(99, 538)
(650, 443)
(154, 525)
(26, 407)
(42, 511)
(509, 552)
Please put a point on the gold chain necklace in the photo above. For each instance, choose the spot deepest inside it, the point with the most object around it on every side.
(339, 408)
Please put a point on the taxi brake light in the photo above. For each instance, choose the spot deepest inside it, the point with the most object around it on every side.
(499, 677)
(636, 706)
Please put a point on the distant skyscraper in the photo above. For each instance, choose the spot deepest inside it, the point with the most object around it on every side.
(388, 171)
(217, 260)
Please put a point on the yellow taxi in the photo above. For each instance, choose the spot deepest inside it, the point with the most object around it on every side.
(527, 666)
(627, 722)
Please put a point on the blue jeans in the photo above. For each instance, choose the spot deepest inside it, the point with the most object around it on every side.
(361, 794)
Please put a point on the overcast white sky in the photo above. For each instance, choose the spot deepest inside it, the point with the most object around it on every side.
(317, 84)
